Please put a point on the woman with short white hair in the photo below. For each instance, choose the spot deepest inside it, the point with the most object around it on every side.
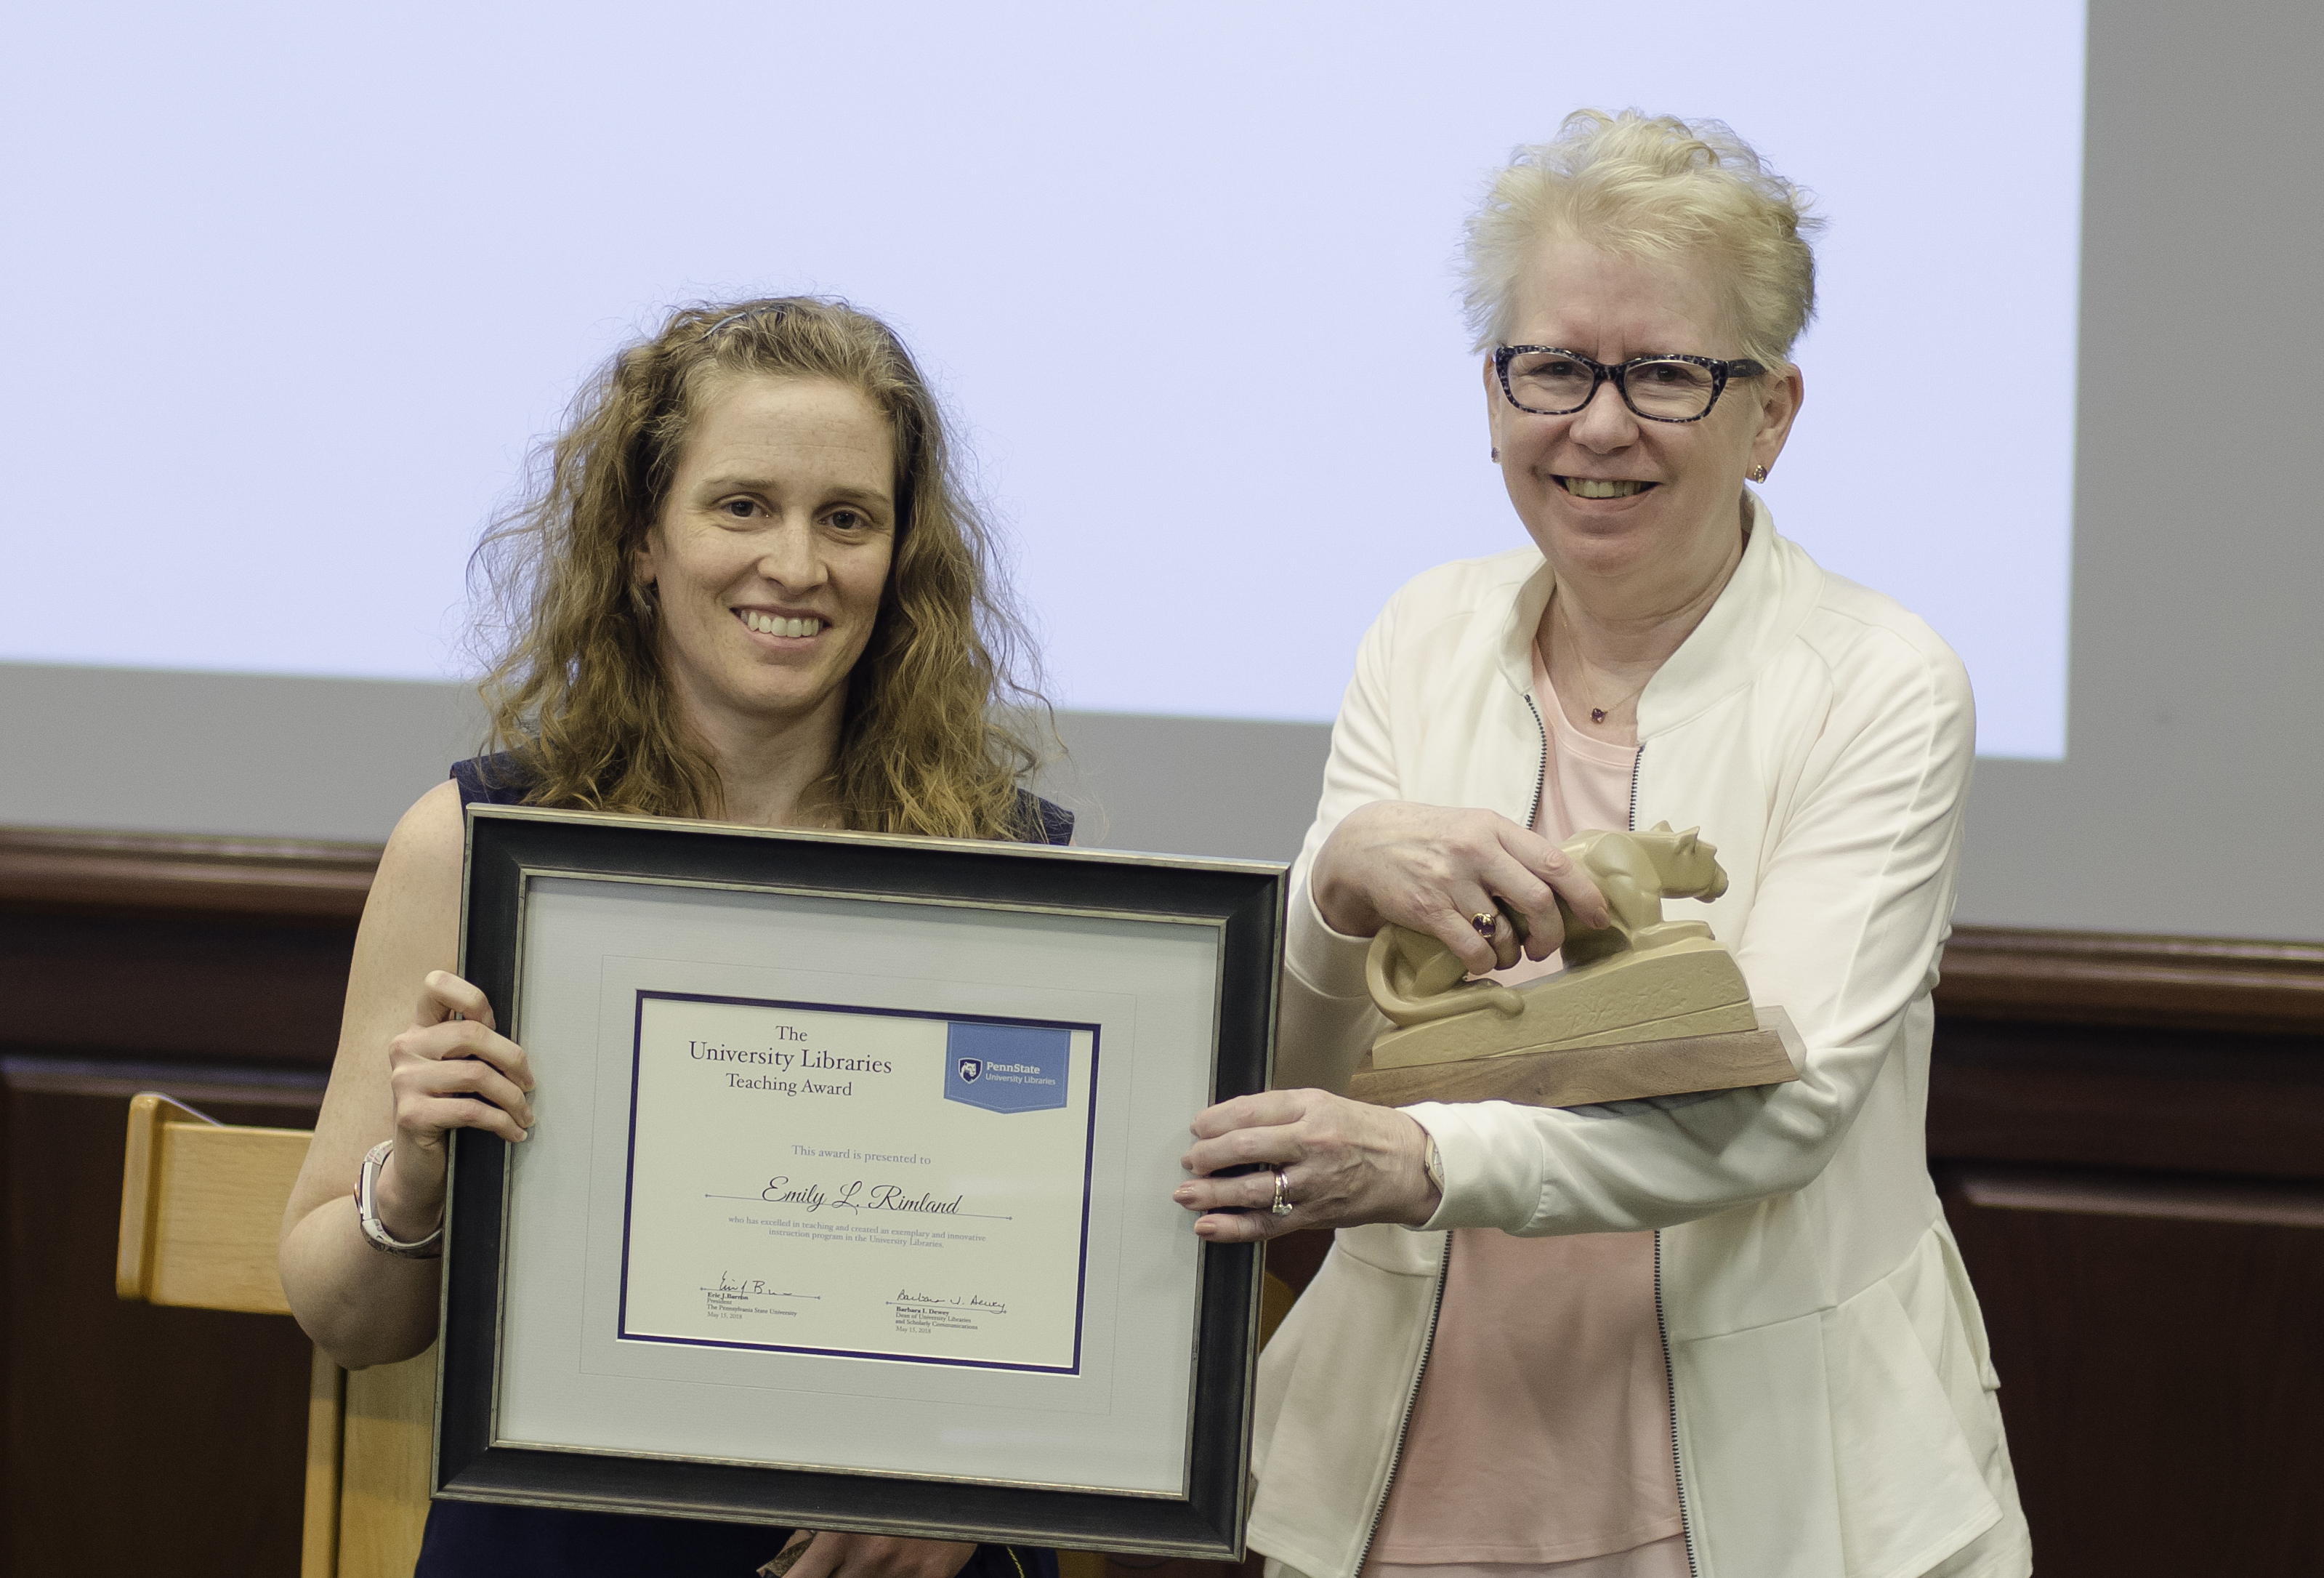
(1724, 1334)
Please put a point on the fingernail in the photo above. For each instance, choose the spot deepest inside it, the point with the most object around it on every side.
(1184, 1194)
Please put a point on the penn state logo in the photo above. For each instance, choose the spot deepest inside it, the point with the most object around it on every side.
(969, 1068)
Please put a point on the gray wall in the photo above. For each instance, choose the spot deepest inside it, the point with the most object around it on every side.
(230, 753)
(2189, 797)
(2196, 730)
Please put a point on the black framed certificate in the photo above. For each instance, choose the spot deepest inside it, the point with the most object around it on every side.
(847, 1201)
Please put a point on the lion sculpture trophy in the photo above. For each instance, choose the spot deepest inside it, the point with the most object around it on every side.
(1640, 979)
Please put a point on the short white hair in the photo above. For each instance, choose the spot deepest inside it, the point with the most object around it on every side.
(1649, 186)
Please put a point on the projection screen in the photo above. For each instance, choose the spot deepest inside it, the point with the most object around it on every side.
(301, 288)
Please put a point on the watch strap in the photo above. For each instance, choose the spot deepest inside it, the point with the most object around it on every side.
(374, 1230)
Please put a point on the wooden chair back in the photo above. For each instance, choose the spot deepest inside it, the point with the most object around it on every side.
(201, 1209)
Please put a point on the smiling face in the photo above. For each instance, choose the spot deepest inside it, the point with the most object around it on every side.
(771, 553)
(1608, 496)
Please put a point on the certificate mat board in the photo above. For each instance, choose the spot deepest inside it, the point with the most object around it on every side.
(847, 1201)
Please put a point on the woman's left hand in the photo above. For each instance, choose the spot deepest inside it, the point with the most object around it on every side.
(880, 1555)
(1342, 1163)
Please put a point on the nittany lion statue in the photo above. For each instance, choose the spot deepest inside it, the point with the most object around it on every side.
(1640, 978)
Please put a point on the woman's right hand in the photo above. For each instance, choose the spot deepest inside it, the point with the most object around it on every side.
(1429, 869)
(450, 1070)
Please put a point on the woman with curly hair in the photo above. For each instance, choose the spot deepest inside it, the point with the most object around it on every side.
(748, 588)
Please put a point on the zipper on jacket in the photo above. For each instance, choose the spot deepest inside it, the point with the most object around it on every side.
(1670, 1381)
(1541, 779)
(1662, 1326)
(1404, 1422)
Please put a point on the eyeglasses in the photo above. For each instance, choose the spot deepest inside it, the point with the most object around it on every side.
(1551, 383)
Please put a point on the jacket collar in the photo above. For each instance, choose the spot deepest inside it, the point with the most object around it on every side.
(1760, 609)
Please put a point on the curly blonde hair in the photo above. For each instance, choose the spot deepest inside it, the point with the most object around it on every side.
(574, 688)
(1652, 186)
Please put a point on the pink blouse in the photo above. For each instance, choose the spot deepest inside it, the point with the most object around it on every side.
(1540, 1442)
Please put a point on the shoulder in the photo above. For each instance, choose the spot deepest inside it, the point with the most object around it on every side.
(1868, 640)
(1450, 600)
(1465, 585)
(415, 892)
(429, 840)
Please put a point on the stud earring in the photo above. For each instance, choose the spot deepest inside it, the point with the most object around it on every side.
(1497, 452)
(1758, 474)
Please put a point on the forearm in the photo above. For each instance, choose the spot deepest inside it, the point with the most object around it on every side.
(1653, 1163)
(1533, 1172)
(1327, 1021)
(362, 1306)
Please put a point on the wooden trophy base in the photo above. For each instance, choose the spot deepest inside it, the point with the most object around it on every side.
(1575, 1076)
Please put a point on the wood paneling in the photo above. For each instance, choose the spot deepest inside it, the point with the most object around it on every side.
(2097, 978)
(2160, 1375)
(2142, 1210)
(139, 1438)
(2109, 1096)
(277, 880)
(2129, 1132)
(2078, 1192)
(197, 988)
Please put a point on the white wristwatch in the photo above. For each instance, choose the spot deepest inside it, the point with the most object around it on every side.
(374, 1230)
(1433, 1164)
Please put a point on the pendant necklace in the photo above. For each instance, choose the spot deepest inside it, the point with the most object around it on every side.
(1582, 670)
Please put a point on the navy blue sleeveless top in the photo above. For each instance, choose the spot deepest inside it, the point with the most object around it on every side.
(473, 1539)
(498, 780)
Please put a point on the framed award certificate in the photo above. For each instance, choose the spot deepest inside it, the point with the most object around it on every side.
(847, 1204)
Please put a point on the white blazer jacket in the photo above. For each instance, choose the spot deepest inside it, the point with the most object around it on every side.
(1832, 1396)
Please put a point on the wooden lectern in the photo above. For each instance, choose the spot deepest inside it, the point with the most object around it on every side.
(201, 1208)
